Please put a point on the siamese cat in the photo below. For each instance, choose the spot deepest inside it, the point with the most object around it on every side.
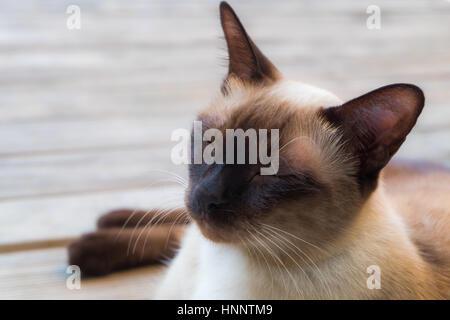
(330, 224)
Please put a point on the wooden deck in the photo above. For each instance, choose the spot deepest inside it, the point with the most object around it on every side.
(86, 115)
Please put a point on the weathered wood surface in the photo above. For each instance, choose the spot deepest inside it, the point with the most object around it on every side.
(86, 115)
(42, 274)
(54, 217)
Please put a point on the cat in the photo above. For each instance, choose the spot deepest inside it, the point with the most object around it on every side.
(335, 222)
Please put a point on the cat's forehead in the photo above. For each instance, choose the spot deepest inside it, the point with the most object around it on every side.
(303, 95)
(267, 107)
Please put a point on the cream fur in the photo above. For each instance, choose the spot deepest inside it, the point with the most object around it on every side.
(206, 270)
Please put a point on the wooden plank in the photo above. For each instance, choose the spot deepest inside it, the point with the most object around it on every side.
(70, 135)
(42, 275)
(85, 68)
(35, 245)
(431, 146)
(59, 218)
(85, 172)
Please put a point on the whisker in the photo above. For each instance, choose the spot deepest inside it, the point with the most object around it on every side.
(290, 141)
(286, 241)
(287, 254)
(173, 174)
(266, 262)
(274, 256)
(135, 211)
(156, 214)
(161, 215)
(179, 215)
(295, 249)
(294, 236)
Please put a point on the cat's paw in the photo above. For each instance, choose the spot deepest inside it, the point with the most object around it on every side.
(117, 218)
(128, 218)
(92, 253)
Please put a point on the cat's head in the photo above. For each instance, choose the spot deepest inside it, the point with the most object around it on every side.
(330, 153)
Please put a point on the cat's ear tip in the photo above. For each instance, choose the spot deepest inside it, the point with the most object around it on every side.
(224, 7)
(227, 14)
(409, 86)
(410, 91)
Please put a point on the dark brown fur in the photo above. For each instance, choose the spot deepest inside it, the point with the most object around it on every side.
(111, 248)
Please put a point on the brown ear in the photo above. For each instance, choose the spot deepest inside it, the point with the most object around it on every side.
(246, 61)
(376, 124)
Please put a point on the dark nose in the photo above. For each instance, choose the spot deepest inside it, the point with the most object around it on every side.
(208, 200)
(210, 195)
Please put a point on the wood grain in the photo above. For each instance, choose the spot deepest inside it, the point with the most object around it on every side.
(67, 216)
(42, 275)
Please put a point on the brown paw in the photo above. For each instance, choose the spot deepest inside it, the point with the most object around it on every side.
(128, 218)
(93, 254)
(118, 219)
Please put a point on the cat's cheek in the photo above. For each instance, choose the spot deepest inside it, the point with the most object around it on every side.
(261, 181)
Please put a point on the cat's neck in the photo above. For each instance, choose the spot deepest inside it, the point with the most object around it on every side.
(379, 239)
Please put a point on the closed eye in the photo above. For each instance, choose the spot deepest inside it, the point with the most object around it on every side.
(257, 178)
(287, 183)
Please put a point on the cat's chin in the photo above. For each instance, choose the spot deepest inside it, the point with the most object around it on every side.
(221, 234)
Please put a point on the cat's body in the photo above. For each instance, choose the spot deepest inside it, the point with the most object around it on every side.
(205, 270)
(325, 226)
(382, 235)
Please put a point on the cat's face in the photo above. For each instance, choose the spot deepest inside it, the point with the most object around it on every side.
(228, 199)
(328, 158)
